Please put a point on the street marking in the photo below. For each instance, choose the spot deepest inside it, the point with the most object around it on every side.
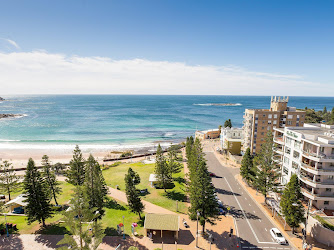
(245, 198)
(250, 226)
(260, 220)
(249, 204)
(266, 229)
(254, 212)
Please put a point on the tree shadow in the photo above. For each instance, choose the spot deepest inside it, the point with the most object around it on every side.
(226, 192)
(49, 240)
(11, 242)
(112, 204)
(179, 180)
(53, 229)
(110, 231)
(174, 195)
(237, 213)
(113, 242)
(169, 185)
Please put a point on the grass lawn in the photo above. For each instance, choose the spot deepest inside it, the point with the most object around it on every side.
(115, 176)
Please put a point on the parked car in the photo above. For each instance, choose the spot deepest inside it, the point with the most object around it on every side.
(220, 204)
(278, 237)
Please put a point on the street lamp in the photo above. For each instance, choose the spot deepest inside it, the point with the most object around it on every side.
(6, 225)
(123, 229)
(197, 214)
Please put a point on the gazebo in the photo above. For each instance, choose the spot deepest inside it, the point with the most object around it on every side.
(17, 205)
(163, 223)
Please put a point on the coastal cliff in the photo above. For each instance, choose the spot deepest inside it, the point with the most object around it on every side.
(1, 99)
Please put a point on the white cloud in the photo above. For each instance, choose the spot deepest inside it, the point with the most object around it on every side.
(11, 42)
(40, 72)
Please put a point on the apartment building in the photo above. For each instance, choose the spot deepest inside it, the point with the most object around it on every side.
(257, 122)
(231, 140)
(308, 152)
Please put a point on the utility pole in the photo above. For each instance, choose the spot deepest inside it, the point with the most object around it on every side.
(197, 230)
(307, 214)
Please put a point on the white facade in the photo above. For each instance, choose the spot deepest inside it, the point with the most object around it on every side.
(308, 152)
(230, 134)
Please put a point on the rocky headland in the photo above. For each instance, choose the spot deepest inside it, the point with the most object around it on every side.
(3, 116)
(1, 99)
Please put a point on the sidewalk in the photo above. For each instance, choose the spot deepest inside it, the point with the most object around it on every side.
(296, 241)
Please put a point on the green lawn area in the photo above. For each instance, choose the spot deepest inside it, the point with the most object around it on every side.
(115, 176)
(115, 210)
(113, 216)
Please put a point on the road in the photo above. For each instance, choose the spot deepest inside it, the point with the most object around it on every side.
(252, 224)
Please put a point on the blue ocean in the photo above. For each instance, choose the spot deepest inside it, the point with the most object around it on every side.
(113, 121)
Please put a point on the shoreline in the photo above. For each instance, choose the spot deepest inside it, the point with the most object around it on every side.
(63, 153)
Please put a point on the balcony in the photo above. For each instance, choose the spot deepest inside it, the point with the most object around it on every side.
(279, 140)
(321, 196)
(278, 150)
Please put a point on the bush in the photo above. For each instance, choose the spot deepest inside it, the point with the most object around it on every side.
(126, 154)
(117, 163)
(324, 223)
(133, 248)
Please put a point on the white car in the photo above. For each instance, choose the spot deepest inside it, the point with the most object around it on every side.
(277, 235)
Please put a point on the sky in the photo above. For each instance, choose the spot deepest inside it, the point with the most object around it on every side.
(211, 47)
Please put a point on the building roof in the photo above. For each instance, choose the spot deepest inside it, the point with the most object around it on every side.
(20, 200)
(153, 178)
(169, 222)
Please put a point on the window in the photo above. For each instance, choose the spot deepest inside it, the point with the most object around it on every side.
(286, 171)
(294, 165)
(264, 115)
(286, 160)
(262, 128)
(262, 122)
(289, 122)
(328, 189)
(275, 116)
(270, 116)
(268, 128)
(275, 122)
(256, 116)
(297, 116)
(295, 154)
(326, 202)
(332, 151)
(290, 116)
(330, 177)
(269, 122)
(262, 133)
(287, 150)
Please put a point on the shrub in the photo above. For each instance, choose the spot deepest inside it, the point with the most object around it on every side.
(126, 154)
(324, 223)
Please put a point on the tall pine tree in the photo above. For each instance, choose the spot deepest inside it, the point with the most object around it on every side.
(162, 171)
(173, 165)
(200, 189)
(132, 194)
(76, 173)
(247, 170)
(291, 205)
(49, 176)
(9, 181)
(76, 220)
(267, 171)
(38, 200)
(95, 186)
